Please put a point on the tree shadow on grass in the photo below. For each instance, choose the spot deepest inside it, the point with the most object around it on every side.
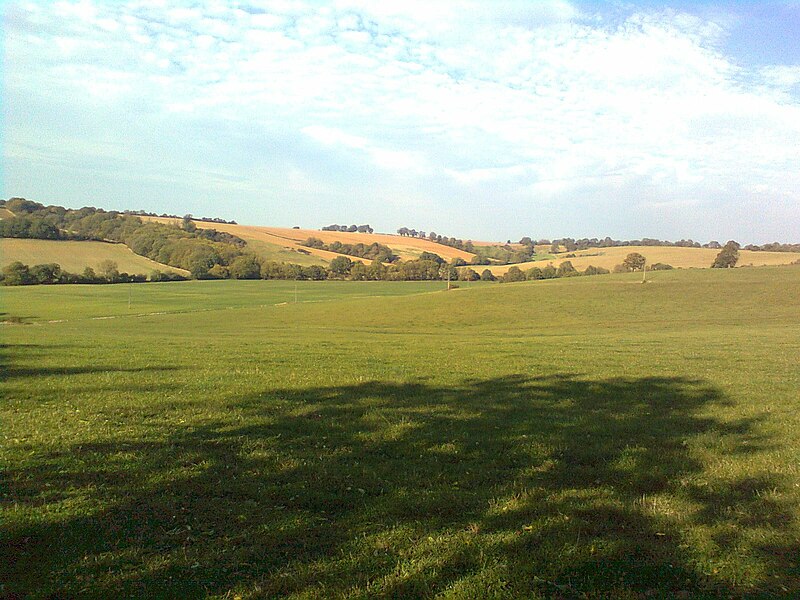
(10, 370)
(552, 486)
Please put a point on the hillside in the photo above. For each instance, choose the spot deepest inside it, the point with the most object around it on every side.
(76, 256)
(281, 243)
(680, 258)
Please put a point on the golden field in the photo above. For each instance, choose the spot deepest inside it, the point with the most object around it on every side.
(75, 256)
(680, 258)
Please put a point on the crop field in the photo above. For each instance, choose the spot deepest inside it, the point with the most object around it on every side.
(290, 241)
(76, 256)
(587, 437)
(680, 258)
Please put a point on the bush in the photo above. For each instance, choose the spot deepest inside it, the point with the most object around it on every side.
(468, 275)
(592, 270)
(514, 274)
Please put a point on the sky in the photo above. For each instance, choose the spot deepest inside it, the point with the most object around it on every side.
(475, 119)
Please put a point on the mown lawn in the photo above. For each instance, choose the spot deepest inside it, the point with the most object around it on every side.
(591, 437)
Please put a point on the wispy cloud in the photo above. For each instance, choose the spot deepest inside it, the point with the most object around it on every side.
(463, 105)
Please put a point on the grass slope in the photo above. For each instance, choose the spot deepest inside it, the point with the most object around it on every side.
(271, 241)
(76, 256)
(685, 258)
(590, 437)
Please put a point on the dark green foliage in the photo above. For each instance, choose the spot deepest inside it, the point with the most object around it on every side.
(417, 270)
(512, 275)
(549, 272)
(166, 276)
(46, 273)
(634, 262)
(245, 266)
(565, 269)
(660, 267)
(433, 257)
(340, 266)
(359, 271)
(28, 227)
(487, 275)
(502, 255)
(534, 273)
(17, 274)
(592, 270)
(728, 256)
(374, 251)
(468, 275)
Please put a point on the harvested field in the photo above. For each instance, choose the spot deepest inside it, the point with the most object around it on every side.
(292, 239)
(680, 258)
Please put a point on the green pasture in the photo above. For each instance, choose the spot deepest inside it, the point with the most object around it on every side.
(573, 438)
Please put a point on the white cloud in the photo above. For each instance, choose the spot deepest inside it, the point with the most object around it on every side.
(530, 100)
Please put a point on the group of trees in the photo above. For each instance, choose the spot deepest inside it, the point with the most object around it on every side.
(439, 239)
(774, 247)
(374, 251)
(572, 245)
(143, 213)
(565, 269)
(502, 255)
(18, 273)
(343, 267)
(349, 228)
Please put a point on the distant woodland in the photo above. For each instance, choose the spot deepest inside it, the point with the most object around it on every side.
(212, 254)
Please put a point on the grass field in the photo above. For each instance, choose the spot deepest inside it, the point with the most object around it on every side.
(76, 256)
(590, 437)
(680, 258)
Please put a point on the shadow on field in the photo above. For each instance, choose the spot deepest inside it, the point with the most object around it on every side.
(522, 486)
(10, 370)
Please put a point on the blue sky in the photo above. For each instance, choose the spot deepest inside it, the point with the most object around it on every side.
(484, 120)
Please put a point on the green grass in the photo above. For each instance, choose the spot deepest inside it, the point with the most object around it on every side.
(76, 256)
(589, 437)
(76, 302)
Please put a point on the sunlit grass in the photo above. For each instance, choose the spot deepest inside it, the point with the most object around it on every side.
(590, 436)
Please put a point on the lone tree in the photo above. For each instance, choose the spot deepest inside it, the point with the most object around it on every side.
(340, 266)
(634, 262)
(187, 224)
(108, 270)
(727, 257)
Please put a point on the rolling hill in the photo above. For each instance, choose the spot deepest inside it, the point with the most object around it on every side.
(285, 244)
(75, 256)
(681, 258)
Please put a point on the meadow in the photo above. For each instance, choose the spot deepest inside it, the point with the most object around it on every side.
(586, 437)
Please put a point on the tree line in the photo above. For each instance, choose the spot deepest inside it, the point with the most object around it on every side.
(18, 273)
(348, 228)
(374, 251)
